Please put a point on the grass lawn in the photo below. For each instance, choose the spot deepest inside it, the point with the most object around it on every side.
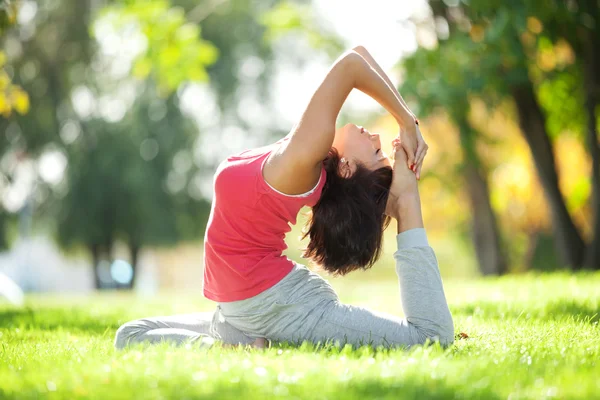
(530, 336)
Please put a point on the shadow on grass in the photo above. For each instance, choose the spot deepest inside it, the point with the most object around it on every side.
(588, 311)
(56, 318)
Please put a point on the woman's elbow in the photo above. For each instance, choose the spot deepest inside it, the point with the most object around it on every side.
(351, 57)
(361, 50)
(351, 64)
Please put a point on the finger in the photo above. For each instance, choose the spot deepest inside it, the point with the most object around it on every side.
(420, 164)
(424, 149)
(410, 154)
(394, 149)
(420, 154)
(398, 154)
(397, 148)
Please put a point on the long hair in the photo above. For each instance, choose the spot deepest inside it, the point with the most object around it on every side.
(347, 223)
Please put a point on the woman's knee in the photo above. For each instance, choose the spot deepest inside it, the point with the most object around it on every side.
(128, 331)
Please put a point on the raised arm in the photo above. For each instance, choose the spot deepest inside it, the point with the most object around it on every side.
(296, 166)
(422, 147)
(369, 58)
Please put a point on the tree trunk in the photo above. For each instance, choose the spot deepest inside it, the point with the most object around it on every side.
(3, 229)
(484, 227)
(592, 93)
(569, 244)
(95, 250)
(134, 252)
(485, 233)
(532, 241)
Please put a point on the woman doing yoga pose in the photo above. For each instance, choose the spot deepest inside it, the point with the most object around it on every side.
(354, 192)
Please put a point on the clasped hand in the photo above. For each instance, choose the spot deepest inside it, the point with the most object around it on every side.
(403, 191)
(411, 140)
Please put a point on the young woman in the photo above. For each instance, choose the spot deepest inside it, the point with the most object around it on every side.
(353, 191)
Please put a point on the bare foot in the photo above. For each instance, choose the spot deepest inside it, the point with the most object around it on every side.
(260, 343)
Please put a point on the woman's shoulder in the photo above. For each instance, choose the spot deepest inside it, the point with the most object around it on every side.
(255, 152)
(240, 171)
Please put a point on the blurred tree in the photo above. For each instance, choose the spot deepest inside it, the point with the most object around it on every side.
(122, 184)
(447, 89)
(174, 51)
(172, 55)
(47, 49)
(3, 231)
(109, 104)
(12, 98)
(8, 11)
(551, 23)
(500, 58)
(59, 62)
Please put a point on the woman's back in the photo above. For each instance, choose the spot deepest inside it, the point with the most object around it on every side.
(245, 234)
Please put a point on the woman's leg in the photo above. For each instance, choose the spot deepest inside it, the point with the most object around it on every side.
(423, 302)
(304, 307)
(179, 329)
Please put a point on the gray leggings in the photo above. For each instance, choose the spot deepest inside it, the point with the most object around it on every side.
(304, 307)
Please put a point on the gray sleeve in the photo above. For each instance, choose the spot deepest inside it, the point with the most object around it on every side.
(422, 292)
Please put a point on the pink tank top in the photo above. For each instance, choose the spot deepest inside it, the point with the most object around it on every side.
(245, 234)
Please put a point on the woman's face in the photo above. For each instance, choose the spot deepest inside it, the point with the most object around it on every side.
(356, 144)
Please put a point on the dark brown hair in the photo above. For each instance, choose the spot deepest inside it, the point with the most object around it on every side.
(347, 223)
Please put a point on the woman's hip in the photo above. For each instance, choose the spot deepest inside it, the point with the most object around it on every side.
(291, 307)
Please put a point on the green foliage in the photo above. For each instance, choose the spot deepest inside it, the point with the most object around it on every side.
(432, 88)
(560, 96)
(449, 89)
(284, 18)
(530, 337)
(8, 13)
(174, 53)
(289, 17)
(565, 19)
(48, 73)
(12, 97)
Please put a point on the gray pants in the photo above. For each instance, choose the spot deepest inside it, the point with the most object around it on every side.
(179, 329)
(304, 307)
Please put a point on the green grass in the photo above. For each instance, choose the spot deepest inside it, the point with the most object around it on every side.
(530, 336)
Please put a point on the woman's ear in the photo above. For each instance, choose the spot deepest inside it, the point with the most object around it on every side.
(345, 167)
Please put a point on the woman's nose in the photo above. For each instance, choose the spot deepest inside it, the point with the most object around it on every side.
(374, 136)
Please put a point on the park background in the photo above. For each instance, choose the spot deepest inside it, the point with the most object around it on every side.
(114, 115)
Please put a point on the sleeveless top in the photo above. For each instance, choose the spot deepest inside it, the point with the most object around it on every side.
(248, 221)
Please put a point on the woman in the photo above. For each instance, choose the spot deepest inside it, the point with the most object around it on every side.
(353, 191)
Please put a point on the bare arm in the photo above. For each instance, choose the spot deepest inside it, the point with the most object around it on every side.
(295, 168)
(421, 149)
(369, 58)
